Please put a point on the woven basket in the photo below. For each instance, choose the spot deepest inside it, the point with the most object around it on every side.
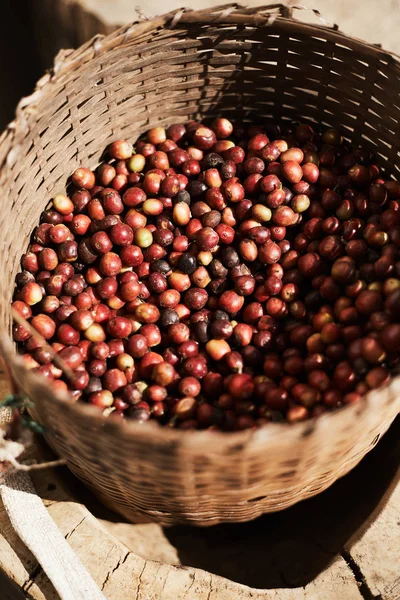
(247, 63)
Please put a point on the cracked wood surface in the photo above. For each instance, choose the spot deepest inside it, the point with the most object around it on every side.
(382, 531)
(122, 574)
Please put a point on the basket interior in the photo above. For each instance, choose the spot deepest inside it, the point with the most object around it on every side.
(122, 86)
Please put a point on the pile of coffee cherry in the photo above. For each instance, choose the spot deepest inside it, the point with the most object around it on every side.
(217, 276)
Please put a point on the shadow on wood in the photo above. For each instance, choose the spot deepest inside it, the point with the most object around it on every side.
(8, 589)
(291, 548)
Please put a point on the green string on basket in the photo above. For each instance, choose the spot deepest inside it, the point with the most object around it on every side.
(20, 402)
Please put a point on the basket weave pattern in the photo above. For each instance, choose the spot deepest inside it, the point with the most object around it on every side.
(249, 64)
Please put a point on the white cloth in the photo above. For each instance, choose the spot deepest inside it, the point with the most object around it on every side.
(40, 534)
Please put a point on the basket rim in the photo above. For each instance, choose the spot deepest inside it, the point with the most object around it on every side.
(65, 63)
